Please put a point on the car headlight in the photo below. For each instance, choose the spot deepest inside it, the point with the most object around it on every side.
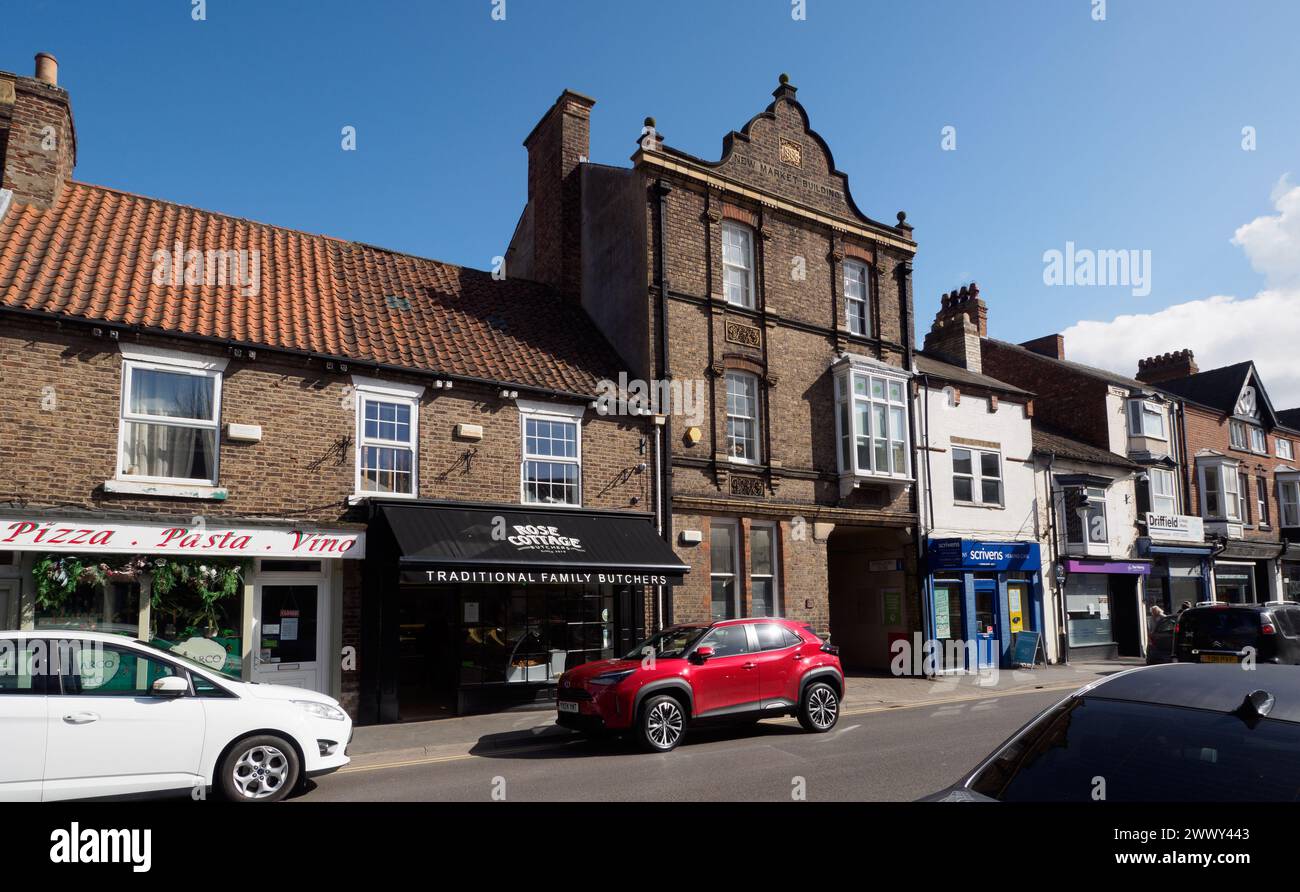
(611, 677)
(321, 710)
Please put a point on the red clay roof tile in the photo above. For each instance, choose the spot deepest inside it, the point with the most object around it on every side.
(91, 256)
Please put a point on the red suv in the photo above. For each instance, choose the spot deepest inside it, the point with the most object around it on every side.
(735, 670)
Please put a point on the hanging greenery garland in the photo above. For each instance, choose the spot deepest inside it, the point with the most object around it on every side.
(175, 581)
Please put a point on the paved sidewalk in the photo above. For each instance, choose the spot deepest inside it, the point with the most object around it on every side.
(443, 740)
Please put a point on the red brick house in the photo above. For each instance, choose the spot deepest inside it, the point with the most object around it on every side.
(757, 283)
(393, 463)
(1242, 476)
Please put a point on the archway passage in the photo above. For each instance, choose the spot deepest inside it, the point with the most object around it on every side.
(872, 593)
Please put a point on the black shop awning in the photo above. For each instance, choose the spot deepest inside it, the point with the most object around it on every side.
(445, 544)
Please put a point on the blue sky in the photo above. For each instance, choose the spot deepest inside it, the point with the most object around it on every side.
(1117, 134)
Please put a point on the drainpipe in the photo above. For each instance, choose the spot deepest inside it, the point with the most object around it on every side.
(905, 280)
(1062, 615)
(929, 632)
(661, 191)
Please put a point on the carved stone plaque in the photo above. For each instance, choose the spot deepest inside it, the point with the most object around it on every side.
(746, 486)
(745, 335)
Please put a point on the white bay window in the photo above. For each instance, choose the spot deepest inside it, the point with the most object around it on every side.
(871, 421)
(1288, 499)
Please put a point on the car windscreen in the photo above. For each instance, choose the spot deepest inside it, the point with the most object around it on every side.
(1088, 749)
(1219, 628)
(668, 644)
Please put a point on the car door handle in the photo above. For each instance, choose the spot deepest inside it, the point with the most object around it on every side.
(750, 666)
(81, 718)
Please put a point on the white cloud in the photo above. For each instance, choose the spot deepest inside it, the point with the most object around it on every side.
(1221, 330)
(1273, 243)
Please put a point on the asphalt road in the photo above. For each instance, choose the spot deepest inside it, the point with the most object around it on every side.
(899, 754)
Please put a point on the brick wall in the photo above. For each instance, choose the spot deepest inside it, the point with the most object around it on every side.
(59, 396)
(1206, 429)
(37, 141)
(1068, 400)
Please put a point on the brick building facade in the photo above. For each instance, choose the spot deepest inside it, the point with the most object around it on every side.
(1241, 476)
(298, 406)
(757, 283)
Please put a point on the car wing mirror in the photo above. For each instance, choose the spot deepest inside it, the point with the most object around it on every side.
(170, 686)
(701, 654)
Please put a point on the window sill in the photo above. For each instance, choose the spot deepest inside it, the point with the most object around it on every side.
(167, 490)
(990, 507)
(358, 498)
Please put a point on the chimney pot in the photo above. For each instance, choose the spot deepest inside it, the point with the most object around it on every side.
(47, 69)
(1167, 366)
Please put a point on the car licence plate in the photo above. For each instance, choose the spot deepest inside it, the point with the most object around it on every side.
(568, 706)
(1219, 658)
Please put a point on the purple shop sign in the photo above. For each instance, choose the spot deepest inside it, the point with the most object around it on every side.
(1132, 568)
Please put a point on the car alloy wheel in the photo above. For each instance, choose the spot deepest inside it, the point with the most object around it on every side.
(823, 707)
(664, 724)
(260, 771)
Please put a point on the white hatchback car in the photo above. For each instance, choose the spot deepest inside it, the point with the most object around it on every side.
(86, 714)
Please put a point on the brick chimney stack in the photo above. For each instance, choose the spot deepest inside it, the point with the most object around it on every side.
(962, 320)
(1052, 345)
(38, 144)
(548, 245)
(1167, 367)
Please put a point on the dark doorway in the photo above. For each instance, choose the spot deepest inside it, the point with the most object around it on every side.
(427, 653)
(1124, 615)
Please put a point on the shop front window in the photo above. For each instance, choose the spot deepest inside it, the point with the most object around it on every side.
(949, 623)
(1087, 603)
(517, 635)
(112, 607)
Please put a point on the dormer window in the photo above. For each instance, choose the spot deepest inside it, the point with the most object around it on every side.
(1146, 419)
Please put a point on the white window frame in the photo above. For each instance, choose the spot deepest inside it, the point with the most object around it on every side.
(1162, 502)
(553, 412)
(977, 478)
(1288, 452)
(1263, 518)
(857, 273)
(1229, 498)
(1257, 433)
(1140, 413)
(736, 570)
(847, 398)
(748, 300)
(373, 389)
(1288, 500)
(775, 575)
(756, 419)
(1097, 495)
(175, 362)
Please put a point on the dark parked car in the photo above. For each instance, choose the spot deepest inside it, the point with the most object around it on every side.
(1160, 640)
(1222, 633)
(1174, 733)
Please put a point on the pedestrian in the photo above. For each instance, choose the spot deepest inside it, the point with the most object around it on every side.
(1157, 611)
(1186, 605)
